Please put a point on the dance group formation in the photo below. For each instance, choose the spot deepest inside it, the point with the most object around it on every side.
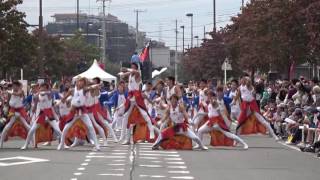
(165, 113)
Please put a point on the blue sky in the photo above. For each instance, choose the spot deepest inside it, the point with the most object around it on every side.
(158, 20)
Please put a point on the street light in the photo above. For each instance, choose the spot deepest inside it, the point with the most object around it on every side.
(182, 27)
(197, 37)
(191, 16)
(88, 24)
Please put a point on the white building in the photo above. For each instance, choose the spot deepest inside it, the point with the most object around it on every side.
(160, 56)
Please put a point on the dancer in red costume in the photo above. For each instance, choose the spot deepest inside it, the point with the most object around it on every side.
(134, 104)
(46, 115)
(177, 116)
(250, 120)
(216, 125)
(16, 112)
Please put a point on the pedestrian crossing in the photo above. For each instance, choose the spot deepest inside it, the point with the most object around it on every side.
(136, 161)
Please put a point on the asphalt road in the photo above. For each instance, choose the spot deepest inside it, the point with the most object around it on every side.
(264, 160)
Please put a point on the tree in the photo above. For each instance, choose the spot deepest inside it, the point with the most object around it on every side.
(78, 52)
(16, 46)
(206, 61)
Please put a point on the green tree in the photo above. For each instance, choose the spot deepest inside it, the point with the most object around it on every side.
(16, 45)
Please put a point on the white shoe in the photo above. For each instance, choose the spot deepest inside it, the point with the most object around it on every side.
(115, 140)
(277, 139)
(46, 144)
(105, 143)
(204, 148)
(196, 147)
(91, 142)
(95, 149)
(127, 142)
(60, 147)
(245, 146)
(152, 136)
(24, 147)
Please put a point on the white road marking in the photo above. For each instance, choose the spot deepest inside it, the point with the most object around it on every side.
(84, 164)
(164, 152)
(182, 177)
(291, 147)
(110, 157)
(146, 148)
(148, 157)
(175, 163)
(73, 179)
(120, 150)
(119, 153)
(81, 169)
(151, 176)
(77, 173)
(168, 155)
(95, 153)
(179, 172)
(120, 169)
(110, 174)
(151, 166)
(24, 160)
(173, 159)
(178, 167)
(115, 164)
(87, 160)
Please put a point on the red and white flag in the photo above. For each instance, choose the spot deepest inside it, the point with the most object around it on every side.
(145, 53)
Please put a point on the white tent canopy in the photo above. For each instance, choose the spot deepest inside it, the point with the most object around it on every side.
(96, 71)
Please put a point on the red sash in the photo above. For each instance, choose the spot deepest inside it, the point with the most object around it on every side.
(139, 100)
(171, 131)
(45, 113)
(21, 111)
(218, 120)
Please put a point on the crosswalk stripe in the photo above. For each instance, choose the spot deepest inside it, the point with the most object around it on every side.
(178, 172)
(150, 165)
(110, 174)
(152, 176)
(182, 177)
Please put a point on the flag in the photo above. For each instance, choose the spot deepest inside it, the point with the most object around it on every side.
(291, 73)
(145, 53)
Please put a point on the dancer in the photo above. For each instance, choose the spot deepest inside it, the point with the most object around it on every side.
(46, 115)
(16, 112)
(255, 123)
(118, 100)
(101, 115)
(201, 115)
(235, 104)
(177, 116)
(172, 88)
(134, 105)
(220, 133)
(78, 111)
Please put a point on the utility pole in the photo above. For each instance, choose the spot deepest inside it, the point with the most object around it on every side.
(191, 16)
(214, 16)
(104, 33)
(204, 32)
(78, 16)
(182, 27)
(176, 54)
(197, 37)
(137, 11)
(40, 63)
(242, 4)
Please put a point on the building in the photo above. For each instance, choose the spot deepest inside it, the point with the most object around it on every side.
(307, 70)
(159, 55)
(120, 41)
